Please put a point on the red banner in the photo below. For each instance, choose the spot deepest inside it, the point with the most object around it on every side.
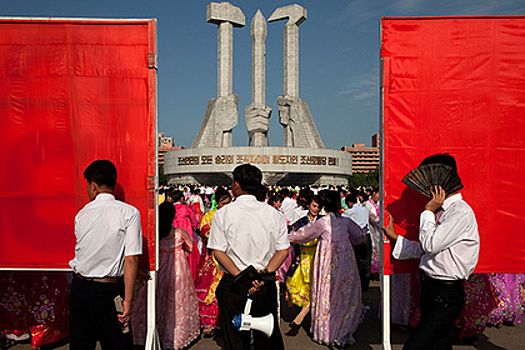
(71, 91)
(457, 85)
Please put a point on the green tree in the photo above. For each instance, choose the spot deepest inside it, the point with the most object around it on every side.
(163, 179)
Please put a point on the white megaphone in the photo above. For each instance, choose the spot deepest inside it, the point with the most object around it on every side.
(245, 322)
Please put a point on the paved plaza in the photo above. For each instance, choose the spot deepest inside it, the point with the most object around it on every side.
(368, 335)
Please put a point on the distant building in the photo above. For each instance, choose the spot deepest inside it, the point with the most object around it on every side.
(166, 144)
(364, 159)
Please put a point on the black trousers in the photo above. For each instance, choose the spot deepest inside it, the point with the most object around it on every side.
(441, 304)
(363, 257)
(232, 304)
(93, 316)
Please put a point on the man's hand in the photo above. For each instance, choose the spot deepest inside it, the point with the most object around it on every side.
(389, 230)
(438, 198)
(126, 315)
(256, 287)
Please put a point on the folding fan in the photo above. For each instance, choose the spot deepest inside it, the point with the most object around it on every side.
(424, 177)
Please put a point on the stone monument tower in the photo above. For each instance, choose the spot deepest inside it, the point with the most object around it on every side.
(302, 161)
(257, 114)
(221, 112)
(294, 113)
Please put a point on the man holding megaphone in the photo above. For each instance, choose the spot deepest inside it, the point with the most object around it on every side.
(249, 239)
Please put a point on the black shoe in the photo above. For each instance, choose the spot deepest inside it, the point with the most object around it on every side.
(294, 329)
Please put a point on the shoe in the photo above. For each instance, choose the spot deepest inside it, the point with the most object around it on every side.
(294, 329)
(208, 332)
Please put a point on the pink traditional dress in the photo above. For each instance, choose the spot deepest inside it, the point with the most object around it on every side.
(479, 302)
(336, 304)
(509, 293)
(208, 280)
(185, 219)
(177, 308)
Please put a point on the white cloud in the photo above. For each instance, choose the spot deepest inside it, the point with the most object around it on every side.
(363, 88)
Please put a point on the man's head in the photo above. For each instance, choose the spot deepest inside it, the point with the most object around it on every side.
(440, 158)
(101, 177)
(246, 180)
(350, 200)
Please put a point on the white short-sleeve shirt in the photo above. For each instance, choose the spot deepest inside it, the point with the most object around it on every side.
(107, 230)
(249, 232)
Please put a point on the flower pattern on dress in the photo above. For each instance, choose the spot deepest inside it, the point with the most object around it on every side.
(336, 304)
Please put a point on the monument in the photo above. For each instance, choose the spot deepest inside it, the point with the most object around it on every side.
(303, 160)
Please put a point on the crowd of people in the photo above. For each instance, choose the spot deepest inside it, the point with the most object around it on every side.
(320, 244)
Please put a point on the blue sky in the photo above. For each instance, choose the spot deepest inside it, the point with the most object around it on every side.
(339, 57)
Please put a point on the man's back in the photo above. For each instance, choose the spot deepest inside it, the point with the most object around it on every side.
(106, 229)
(358, 214)
(248, 231)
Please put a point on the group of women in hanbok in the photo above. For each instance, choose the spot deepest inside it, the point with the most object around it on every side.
(187, 277)
(326, 279)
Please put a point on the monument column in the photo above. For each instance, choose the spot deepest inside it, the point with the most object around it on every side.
(221, 113)
(294, 114)
(257, 114)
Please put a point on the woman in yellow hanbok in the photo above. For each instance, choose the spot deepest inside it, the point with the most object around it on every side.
(298, 280)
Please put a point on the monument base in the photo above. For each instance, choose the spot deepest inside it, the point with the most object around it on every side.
(280, 165)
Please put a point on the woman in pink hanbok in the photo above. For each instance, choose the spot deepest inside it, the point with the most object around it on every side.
(210, 275)
(185, 218)
(177, 308)
(336, 305)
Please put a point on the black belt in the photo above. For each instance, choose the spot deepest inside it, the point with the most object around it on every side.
(100, 279)
(427, 278)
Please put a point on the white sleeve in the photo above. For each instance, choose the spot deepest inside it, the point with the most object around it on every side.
(217, 238)
(436, 238)
(133, 238)
(282, 241)
(405, 249)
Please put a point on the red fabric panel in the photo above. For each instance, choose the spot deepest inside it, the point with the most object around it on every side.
(70, 93)
(457, 85)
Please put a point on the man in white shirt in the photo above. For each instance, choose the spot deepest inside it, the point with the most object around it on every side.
(243, 233)
(109, 241)
(363, 251)
(289, 205)
(449, 249)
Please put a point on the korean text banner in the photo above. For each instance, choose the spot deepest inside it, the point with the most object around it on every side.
(457, 85)
(71, 91)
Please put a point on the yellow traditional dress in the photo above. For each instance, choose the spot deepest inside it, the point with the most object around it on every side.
(298, 284)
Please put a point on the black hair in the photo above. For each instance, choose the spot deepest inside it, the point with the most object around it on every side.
(364, 195)
(166, 216)
(221, 193)
(261, 193)
(176, 195)
(249, 178)
(440, 158)
(350, 198)
(285, 192)
(317, 199)
(102, 172)
(277, 197)
(332, 202)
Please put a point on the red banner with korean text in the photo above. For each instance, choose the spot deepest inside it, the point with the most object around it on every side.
(72, 91)
(457, 85)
